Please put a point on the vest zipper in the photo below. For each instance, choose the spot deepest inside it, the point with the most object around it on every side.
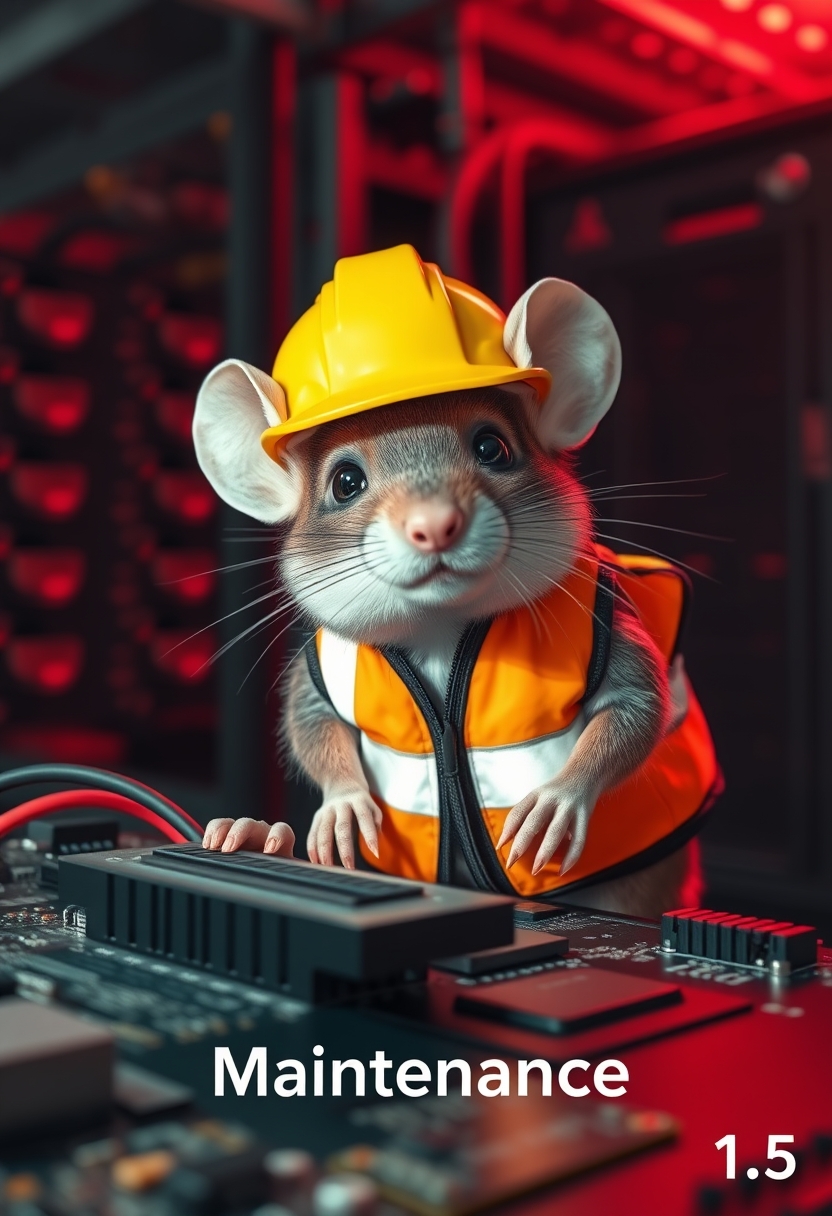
(459, 812)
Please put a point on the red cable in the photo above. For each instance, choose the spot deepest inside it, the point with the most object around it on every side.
(66, 799)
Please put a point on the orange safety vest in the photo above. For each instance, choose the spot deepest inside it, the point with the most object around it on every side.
(515, 700)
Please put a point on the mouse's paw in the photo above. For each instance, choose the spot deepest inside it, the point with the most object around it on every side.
(554, 811)
(232, 834)
(333, 822)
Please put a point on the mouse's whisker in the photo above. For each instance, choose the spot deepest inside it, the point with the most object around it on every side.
(620, 596)
(674, 561)
(630, 497)
(638, 485)
(226, 646)
(638, 523)
(283, 629)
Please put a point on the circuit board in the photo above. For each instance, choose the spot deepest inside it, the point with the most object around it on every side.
(739, 1054)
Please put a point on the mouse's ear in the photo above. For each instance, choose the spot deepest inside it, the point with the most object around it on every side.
(234, 406)
(557, 326)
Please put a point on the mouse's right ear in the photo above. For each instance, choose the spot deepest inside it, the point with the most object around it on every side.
(234, 406)
(557, 326)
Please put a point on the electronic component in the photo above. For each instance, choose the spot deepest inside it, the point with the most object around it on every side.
(292, 1174)
(459, 1155)
(746, 941)
(146, 1093)
(74, 834)
(55, 1068)
(345, 1195)
(236, 1182)
(526, 949)
(565, 1001)
(327, 883)
(529, 912)
(292, 940)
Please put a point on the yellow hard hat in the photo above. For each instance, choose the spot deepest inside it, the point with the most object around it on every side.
(389, 327)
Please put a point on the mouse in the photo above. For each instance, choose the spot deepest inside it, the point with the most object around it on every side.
(480, 701)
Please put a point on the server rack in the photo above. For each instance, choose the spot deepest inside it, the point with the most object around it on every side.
(717, 273)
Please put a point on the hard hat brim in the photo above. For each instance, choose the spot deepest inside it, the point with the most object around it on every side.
(344, 405)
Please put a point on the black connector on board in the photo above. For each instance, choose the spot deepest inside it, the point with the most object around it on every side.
(72, 834)
(779, 947)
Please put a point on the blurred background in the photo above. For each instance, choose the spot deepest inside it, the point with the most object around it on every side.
(176, 182)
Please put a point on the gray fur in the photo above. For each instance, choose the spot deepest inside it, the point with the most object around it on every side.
(350, 567)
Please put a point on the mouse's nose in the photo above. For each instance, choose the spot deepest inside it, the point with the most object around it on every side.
(433, 527)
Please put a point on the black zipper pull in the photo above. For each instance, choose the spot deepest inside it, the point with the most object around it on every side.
(449, 760)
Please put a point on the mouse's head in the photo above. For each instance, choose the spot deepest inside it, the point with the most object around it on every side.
(443, 506)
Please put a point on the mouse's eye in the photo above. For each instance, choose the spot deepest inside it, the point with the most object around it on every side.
(349, 480)
(491, 450)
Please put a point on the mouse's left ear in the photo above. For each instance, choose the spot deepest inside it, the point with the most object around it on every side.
(557, 326)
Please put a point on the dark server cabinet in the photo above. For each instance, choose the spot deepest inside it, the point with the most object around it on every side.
(129, 595)
(718, 274)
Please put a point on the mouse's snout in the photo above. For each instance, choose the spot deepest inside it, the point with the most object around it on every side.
(434, 526)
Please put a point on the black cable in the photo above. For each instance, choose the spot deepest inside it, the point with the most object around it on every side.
(98, 778)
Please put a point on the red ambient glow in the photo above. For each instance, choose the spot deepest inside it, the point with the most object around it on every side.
(49, 665)
(811, 38)
(57, 404)
(185, 494)
(53, 577)
(59, 318)
(774, 18)
(194, 340)
(53, 490)
(708, 224)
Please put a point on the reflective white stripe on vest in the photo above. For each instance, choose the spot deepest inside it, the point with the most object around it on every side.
(338, 659)
(403, 780)
(502, 775)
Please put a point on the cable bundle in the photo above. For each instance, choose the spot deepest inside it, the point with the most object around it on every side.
(109, 791)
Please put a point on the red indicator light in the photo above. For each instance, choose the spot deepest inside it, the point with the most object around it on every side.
(6, 539)
(708, 224)
(769, 566)
(186, 657)
(194, 340)
(175, 414)
(202, 203)
(187, 574)
(11, 277)
(95, 252)
(185, 494)
(60, 318)
(589, 229)
(53, 490)
(51, 576)
(50, 665)
(22, 234)
(58, 404)
(67, 744)
(7, 453)
(9, 363)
